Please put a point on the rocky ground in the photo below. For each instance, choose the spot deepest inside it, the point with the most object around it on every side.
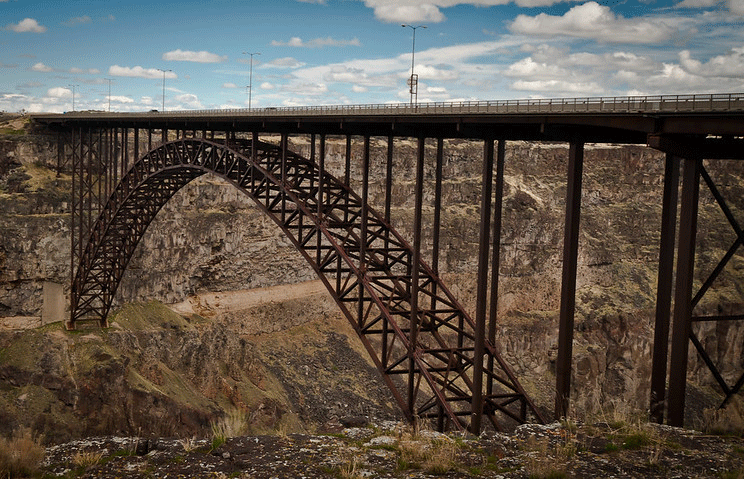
(390, 450)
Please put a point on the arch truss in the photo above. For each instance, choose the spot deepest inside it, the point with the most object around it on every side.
(421, 339)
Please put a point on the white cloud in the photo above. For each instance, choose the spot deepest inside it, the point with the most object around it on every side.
(189, 100)
(527, 67)
(598, 22)
(394, 12)
(316, 43)
(27, 25)
(562, 87)
(306, 88)
(40, 67)
(429, 11)
(267, 86)
(77, 21)
(734, 6)
(358, 89)
(189, 56)
(91, 71)
(697, 3)
(121, 99)
(229, 85)
(730, 65)
(285, 62)
(139, 72)
(59, 92)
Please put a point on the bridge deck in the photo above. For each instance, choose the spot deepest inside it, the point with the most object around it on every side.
(597, 119)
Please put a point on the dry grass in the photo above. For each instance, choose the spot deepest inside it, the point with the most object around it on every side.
(20, 455)
(86, 458)
(232, 424)
(546, 462)
(349, 469)
(421, 450)
(188, 444)
(726, 421)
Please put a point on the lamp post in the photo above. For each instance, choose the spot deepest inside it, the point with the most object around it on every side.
(163, 108)
(109, 93)
(73, 96)
(414, 79)
(250, 78)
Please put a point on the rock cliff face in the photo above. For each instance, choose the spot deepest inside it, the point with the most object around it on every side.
(210, 238)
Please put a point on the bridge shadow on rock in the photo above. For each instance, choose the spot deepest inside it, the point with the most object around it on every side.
(416, 332)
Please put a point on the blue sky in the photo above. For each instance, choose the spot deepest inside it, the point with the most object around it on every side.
(325, 52)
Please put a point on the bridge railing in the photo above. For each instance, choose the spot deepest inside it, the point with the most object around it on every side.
(718, 102)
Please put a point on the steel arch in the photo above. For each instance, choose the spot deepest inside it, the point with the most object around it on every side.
(364, 263)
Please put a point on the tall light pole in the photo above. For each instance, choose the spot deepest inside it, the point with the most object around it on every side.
(163, 108)
(109, 93)
(413, 81)
(250, 78)
(73, 96)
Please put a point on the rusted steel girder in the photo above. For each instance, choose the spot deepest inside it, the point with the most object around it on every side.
(664, 288)
(366, 265)
(568, 283)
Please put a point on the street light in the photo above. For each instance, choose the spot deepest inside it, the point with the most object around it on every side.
(250, 78)
(73, 96)
(163, 109)
(413, 82)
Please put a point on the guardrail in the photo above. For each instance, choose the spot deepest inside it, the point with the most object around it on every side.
(718, 102)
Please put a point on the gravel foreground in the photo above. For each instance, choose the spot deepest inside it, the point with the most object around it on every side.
(392, 450)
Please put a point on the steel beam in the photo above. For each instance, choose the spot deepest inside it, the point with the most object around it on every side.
(482, 291)
(496, 253)
(682, 324)
(664, 288)
(415, 273)
(568, 280)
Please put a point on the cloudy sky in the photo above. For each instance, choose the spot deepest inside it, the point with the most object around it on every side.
(321, 52)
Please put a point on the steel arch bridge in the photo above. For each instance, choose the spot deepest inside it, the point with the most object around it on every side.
(376, 277)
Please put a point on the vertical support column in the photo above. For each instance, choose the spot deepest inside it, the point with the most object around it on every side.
(254, 143)
(74, 234)
(568, 281)
(321, 168)
(312, 158)
(437, 226)
(416, 260)
(482, 292)
(388, 204)
(664, 288)
(60, 153)
(88, 162)
(136, 145)
(111, 143)
(682, 324)
(363, 232)
(347, 164)
(284, 181)
(125, 150)
(389, 178)
(496, 253)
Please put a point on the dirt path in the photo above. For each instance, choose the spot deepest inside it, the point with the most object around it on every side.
(210, 304)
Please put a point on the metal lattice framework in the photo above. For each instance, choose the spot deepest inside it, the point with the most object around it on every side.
(418, 335)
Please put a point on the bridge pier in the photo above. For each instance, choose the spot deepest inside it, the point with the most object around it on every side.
(664, 287)
(568, 281)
